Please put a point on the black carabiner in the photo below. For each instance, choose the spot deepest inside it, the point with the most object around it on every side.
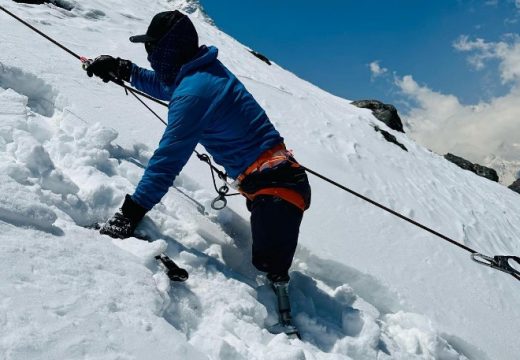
(220, 202)
(499, 262)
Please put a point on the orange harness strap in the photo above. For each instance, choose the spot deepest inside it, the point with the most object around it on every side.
(269, 159)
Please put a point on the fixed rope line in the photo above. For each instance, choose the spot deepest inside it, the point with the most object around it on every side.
(393, 212)
(498, 262)
(61, 46)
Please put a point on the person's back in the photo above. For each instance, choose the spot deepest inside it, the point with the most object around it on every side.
(210, 106)
(236, 128)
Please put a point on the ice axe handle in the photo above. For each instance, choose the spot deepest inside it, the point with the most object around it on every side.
(175, 273)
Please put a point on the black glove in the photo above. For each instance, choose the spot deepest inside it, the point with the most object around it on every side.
(108, 68)
(122, 225)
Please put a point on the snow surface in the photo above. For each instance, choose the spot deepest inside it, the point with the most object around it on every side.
(365, 285)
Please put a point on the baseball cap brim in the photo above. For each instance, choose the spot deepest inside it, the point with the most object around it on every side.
(142, 38)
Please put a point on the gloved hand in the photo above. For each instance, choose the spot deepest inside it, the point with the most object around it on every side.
(122, 225)
(108, 68)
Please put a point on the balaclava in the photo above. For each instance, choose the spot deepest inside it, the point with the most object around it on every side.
(171, 41)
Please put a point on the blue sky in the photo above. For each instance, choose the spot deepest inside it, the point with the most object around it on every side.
(331, 45)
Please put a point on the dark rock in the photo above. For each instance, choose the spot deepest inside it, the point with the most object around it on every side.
(386, 113)
(390, 138)
(260, 56)
(35, 2)
(480, 170)
(515, 186)
(64, 4)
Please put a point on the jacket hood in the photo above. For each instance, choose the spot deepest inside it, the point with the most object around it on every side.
(178, 47)
(205, 56)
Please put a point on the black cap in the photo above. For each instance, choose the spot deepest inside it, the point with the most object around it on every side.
(160, 25)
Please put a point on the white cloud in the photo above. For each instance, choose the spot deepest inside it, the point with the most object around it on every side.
(377, 70)
(487, 132)
(507, 52)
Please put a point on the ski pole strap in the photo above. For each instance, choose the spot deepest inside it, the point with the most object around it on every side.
(499, 262)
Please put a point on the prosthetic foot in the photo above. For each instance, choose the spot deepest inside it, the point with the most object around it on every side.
(280, 286)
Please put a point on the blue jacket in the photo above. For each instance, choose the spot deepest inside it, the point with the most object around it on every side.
(207, 105)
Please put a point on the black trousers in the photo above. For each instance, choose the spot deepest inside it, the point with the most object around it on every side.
(275, 225)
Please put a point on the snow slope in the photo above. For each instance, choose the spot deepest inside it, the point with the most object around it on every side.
(365, 284)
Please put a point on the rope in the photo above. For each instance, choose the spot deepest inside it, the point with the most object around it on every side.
(444, 237)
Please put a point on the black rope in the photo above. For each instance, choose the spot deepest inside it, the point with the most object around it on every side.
(61, 46)
(149, 108)
(41, 33)
(223, 176)
(390, 210)
(496, 263)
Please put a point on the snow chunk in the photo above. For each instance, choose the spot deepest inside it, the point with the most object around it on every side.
(31, 153)
(415, 334)
(20, 207)
(146, 251)
(40, 95)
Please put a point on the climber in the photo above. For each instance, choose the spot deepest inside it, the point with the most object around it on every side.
(209, 105)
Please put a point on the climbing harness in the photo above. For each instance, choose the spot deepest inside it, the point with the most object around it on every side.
(499, 262)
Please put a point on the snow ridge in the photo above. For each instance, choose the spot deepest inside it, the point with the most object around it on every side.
(193, 8)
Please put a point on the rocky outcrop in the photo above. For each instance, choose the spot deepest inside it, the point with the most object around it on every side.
(480, 170)
(386, 113)
(35, 2)
(390, 138)
(507, 170)
(64, 4)
(515, 186)
(260, 56)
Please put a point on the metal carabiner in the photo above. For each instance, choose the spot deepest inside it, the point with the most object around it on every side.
(220, 202)
(499, 262)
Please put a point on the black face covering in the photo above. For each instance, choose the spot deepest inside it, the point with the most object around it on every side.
(170, 41)
(150, 46)
(176, 48)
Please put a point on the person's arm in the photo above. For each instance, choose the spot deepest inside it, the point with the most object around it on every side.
(146, 81)
(108, 68)
(185, 126)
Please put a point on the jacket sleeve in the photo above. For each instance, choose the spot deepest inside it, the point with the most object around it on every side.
(146, 81)
(185, 126)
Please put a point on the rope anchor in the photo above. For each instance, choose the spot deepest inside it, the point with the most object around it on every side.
(499, 262)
